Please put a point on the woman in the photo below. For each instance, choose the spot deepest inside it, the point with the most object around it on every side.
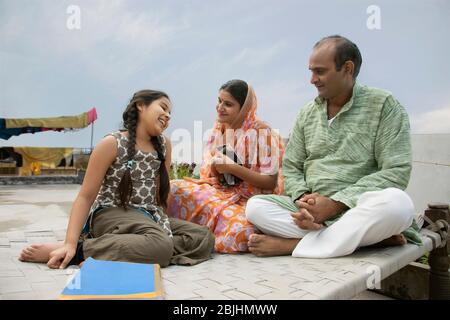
(251, 166)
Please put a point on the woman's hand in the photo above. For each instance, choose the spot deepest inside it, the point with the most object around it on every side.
(221, 163)
(60, 258)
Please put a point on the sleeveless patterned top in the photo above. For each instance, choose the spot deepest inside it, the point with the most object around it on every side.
(144, 177)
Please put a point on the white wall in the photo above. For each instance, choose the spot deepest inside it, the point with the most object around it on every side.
(430, 177)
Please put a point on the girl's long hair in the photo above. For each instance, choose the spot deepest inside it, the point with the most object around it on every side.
(130, 120)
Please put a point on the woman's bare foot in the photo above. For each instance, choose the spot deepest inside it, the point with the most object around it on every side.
(263, 245)
(395, 240)
(38, 252)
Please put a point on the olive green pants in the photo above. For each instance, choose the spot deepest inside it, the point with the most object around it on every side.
(131, 236)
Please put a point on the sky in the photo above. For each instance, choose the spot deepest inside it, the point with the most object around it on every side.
(190, 48)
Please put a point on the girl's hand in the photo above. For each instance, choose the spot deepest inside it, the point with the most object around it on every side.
(61, 257)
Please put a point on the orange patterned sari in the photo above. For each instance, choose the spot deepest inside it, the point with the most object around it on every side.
(220, 207)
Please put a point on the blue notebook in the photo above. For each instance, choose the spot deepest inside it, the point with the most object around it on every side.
(98, 279)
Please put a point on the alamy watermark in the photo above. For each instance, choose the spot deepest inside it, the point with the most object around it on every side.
(74, 19)
(374, 19)
(374, 277)
(252, 147)
(74, 278)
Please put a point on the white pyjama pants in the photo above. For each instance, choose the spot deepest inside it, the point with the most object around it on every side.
(378, 215)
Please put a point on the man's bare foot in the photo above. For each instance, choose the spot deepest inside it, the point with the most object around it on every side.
(38, 252)
(263, 245)
(395, 240)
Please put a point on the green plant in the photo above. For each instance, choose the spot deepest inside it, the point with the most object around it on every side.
(183, 169)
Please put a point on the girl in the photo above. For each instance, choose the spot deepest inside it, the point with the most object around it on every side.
(125, 191)
(249, 165)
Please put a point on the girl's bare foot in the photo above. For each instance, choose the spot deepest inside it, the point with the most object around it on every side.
(39, 252)
(263, 245)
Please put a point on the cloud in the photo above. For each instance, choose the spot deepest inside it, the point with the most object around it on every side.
(257, 56)
(189, 48)
(280, 101)
(436, 121)
(116, 37)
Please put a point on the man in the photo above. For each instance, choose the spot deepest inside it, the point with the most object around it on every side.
(347, 161)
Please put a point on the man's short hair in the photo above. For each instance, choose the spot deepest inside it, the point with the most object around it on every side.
(345, 51)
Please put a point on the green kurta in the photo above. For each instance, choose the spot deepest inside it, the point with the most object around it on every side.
(366, 147)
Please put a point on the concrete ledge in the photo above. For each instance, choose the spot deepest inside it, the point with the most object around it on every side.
(51, 179)
(408, 283)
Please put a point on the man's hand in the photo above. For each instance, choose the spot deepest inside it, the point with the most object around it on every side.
(307, 197)
(320, 207)
(304, 220)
